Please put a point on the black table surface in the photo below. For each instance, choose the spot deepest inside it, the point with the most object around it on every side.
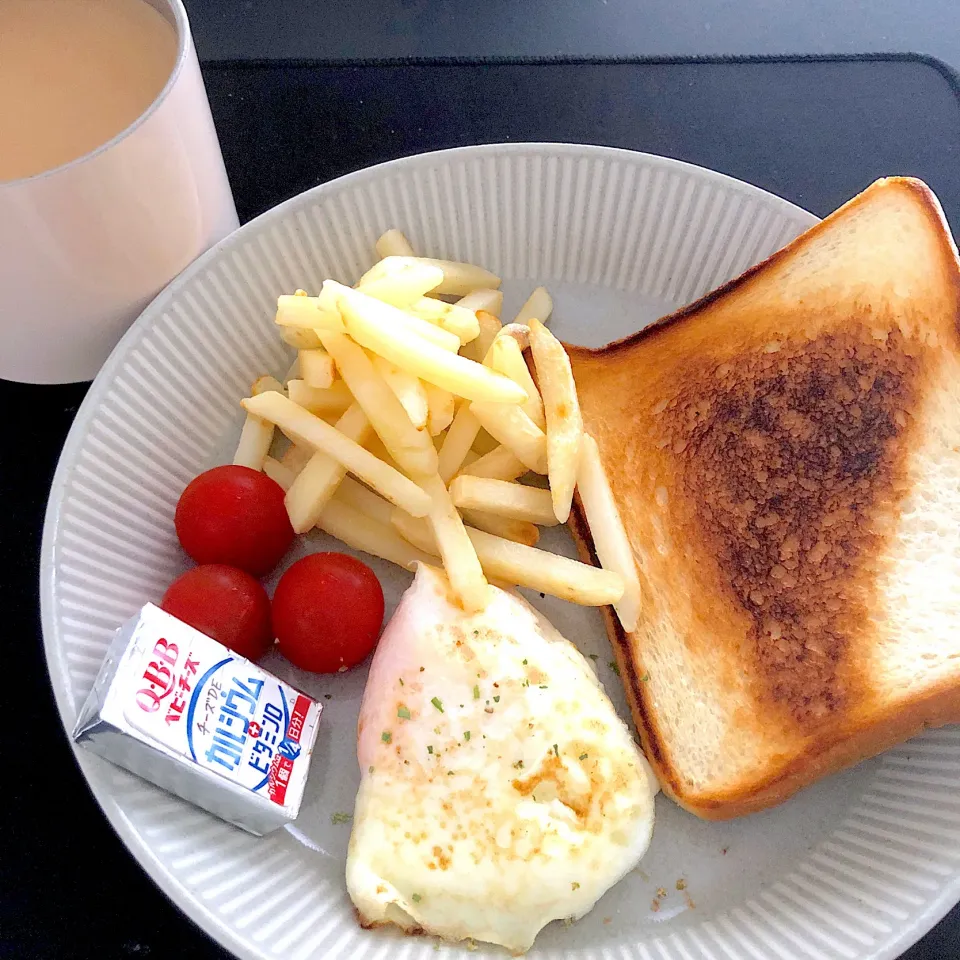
(814, 131)
(354, 29)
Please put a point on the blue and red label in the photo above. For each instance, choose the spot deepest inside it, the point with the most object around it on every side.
(223, 712)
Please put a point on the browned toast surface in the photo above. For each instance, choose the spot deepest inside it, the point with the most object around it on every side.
(764, 446)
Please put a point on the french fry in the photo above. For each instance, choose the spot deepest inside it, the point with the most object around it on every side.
(278, 472)
(296, 457)
(546, 572)
(488, 300)
(415, 530)
(394, 244)
(321, 476)
(358, 517)
(519, 331)
(407, 388)
(263, 384)
(426, 360)
(525, 566)
(510, 426)
(314, 432)
(307, 313)
(504, 499)
(410, 448)
(355, 494)
(256, 436)
(361, 532)
(390, 319)
(562, 410)
(477, 348)
(506, 357)
(459, 557)
(317, 368)
(500, 463)
(400, 281)
(520, 531)
(334, 399)
(539, 306)
(260, 385)
(463, 324)
(607, 531)
(440, 409)
(418, 532)
(384, 363)
(458, 278)
(300, 338)
(458, 441)
(376, 447)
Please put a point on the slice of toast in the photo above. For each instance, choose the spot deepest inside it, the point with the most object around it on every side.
(785, 454)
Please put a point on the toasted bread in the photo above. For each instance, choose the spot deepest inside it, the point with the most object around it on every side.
(785, 454)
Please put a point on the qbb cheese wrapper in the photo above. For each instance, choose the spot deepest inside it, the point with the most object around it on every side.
(182, 711)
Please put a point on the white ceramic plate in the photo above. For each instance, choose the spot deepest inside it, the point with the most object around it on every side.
(858, 866)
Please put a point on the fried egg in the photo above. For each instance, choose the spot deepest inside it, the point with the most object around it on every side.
(500, 790)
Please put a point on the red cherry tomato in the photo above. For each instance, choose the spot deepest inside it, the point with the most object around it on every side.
(234, 515)
(327, 612)
(224, 603)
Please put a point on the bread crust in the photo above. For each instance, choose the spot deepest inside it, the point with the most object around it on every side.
(938, 706)
(926, 198)
(825, 700)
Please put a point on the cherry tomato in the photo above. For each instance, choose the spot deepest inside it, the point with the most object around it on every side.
(224, 603)
(327, 612)
(234, 515)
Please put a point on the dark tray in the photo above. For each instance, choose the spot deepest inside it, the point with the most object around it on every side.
(813, 130)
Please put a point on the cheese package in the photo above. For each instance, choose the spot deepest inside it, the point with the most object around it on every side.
(182, 711)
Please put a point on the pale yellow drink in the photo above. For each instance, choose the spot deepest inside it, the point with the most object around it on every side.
(74, 74)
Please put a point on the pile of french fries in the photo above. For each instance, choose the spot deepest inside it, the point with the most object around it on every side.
(413, 418)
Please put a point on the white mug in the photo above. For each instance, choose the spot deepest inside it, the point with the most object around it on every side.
(86, 246)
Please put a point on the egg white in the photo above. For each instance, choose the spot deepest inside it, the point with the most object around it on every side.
(500, 790)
